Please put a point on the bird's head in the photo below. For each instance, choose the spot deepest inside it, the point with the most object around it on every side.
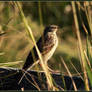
(51, 28)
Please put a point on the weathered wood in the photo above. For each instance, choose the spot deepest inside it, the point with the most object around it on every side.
(10, 77)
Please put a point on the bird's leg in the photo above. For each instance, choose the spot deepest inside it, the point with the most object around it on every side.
(52, 71)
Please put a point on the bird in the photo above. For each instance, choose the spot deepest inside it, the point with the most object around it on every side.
(47, 45)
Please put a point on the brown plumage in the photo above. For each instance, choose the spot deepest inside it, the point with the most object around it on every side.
(46, 45)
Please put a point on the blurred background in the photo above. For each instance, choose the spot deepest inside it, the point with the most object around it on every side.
(15, 43)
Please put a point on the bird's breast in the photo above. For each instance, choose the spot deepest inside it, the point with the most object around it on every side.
(53, 48)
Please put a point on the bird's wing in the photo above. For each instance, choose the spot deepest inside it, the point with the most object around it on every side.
(45, 44)
(32, 56)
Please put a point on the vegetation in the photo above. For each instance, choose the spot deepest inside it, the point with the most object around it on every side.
(23, 23)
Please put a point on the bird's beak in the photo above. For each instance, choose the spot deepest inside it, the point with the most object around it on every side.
(57, 28)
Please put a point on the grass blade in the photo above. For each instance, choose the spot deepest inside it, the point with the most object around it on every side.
(80, 46)
(29, 31)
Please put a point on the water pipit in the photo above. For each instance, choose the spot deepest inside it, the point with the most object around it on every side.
(47, 45)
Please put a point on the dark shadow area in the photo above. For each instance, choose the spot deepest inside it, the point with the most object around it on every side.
(9, 79)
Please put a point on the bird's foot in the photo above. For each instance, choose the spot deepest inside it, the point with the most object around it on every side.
(53, 71)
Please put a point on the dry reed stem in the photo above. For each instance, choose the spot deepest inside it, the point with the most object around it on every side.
(87, 60)
(88, 13)
(29, 31)
(79, 8)
(80, 46)
(75, 88)
(76, 70)
(34, 84)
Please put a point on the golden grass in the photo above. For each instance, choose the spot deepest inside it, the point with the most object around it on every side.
(83, 61)
(11, 50)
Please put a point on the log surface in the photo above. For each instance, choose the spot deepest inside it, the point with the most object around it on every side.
(9, 78)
